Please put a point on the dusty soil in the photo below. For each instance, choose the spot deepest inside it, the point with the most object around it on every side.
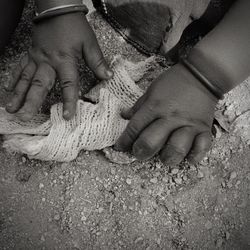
(91, 203)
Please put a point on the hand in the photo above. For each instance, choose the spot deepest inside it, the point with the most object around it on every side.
(58, 44)
(174, 118)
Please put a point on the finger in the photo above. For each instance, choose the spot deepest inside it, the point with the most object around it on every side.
(69, 79)
(151, 140)
(21, 88)
(201, 145)
(41, 84)
(95, 60)
(178, 146)
(142, 118)
(16, 73)
(129, 113)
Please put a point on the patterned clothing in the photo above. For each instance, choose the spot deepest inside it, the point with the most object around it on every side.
(156, 25)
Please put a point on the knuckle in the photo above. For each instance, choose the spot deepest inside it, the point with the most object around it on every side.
(132, 130)
(38, 82)
(25, 76)
(98, 63)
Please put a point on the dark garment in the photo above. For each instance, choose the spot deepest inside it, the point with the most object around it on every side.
(155, 26)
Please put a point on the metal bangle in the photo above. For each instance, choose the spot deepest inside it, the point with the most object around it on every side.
(60, 10)
(215, 90)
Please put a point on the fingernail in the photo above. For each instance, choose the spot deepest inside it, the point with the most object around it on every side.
(109, 73)
(66, 113)
(139, 153)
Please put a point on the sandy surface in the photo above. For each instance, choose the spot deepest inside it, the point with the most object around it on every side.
(94, 204)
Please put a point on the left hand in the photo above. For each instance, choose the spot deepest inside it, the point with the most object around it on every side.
(174, 118)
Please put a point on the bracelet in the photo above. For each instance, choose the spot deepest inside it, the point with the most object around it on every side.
(215, 90)
(60, 10)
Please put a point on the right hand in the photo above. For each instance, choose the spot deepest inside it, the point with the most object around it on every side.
(58, 44)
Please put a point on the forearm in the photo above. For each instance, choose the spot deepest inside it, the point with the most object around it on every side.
(223, 56)
(47, 4)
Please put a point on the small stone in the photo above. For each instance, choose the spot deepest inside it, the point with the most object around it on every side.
(42, 238)
(57, 217)
(41, 186)
(219, 243)
(43, 199)
(138, 240)
(223, 184)
(154, 180)
(165, 179)
(208, 225)
(174, 171)
(83, 218)
(24, 159)
(200, 174)
(100, 210)
(128, 181)
(178, 181)
(233, 175)
(184, 178)
(227, 235)
(23, 176)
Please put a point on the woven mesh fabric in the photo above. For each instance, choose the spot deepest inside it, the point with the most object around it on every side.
(96, 125)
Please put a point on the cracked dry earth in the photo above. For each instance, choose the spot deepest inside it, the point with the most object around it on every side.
(92, 203)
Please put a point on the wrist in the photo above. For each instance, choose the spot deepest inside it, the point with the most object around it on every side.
(212, 68)
(42, 5)
(194, 83)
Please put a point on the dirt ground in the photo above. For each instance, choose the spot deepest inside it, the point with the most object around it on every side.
(92, 203)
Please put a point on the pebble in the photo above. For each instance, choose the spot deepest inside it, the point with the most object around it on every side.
(138, 240)
(128, 181)
(23, 176)
(100, 210)
(24, 159)
(200, 174)
(219, 243)
(165, 179)
(233, 175)
(41, 186)
(227, 235)
(178, 180)
(57, 217)
(83, 218)
(154, 180)
(208, 225)
(43, 199)
(174, 171)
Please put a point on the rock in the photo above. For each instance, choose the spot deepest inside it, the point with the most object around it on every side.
(178, 180)
(208, 225)
(154, 180)
(174, 171)
(41, 186)
(165, 179)
(23, 176)
(227, 235)
(100, 210)
(24, 159)
(57, 217)
(233, 175)
(219, 243)
(200, 174)
(128, 181)
(138, 240)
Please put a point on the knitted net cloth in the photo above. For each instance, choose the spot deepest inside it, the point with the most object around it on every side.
(96, 125)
